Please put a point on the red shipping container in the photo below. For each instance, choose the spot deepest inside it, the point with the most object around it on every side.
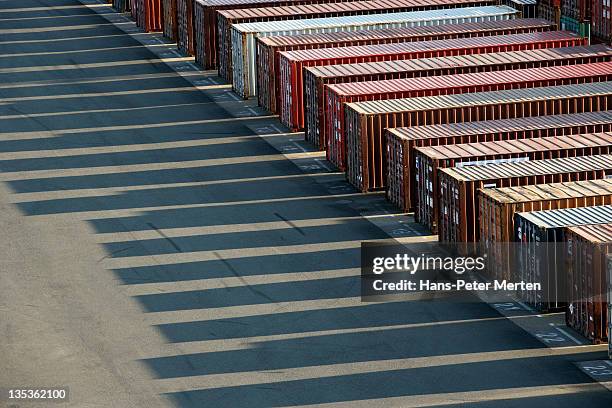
(339, 94)
(186, 34)
(292, 63)
(587, 250)
(226, 18)
(317, 78)
(149, 15)
(170, 19)
(601, 20)
(459, 220)
(366, 121)
(432, 158)
(268, 48)
(401, 142)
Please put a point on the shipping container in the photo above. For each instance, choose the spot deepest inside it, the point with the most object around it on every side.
(292, 63)
(170, 19)
(268, 48)
(339, 94)
(205, 23)
(527, 8)
(575, 16)
(134, 9)
(185, 28)
(601, 20)
(458, 187)
(401, 165)
(429, 160)
(121, 6)
(316, 78)
(367, 121)
(498, 206)
(550, 10)
(540, 252)
(588, 247)
(238, 41)
(149, 15)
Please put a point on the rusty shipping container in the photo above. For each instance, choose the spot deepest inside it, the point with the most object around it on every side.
(268, 48)
(401, 186)
(185, 27)
(458, 187)
(540, 250)
(601, 20)
(170, 19)
(588, 247)
(528, 8)
(317, 78)
(367, 121)
(429, 160)
(150, 15)
(312, 19)
(292, 63)
(205, 23)
(498, 206)
(134, 9)
(121, 6)
(339, 94)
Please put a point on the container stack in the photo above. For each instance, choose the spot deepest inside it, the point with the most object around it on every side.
(490, 120)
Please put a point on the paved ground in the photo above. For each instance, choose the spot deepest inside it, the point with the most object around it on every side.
(156, 252)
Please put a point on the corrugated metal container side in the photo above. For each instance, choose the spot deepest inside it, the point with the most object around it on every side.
(430, 159)
(134, 9)
(601, 20)
(339, 94)
(186, 34)
(205, 22)
(351, 16)
(313, 19)
(540, 251)
(293, 62)
(458, 201)
(588, 247)
(170, 19)
(367, 121)
(401, 187)
(268, 48)
(316, 78)
(121, 6)
(550, 10)
(527, 8)
(498, 206)
(150, 15)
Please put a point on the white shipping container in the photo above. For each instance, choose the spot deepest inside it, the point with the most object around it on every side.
(244, 35)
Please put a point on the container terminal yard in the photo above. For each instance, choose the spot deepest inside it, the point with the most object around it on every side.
(195, 196)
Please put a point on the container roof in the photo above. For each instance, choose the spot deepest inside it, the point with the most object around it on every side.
(550, 191)
(480, 98)
(566, 217)
(424, 64)
(530, 168)
(502, 125)
(363, 20)
(515, 146)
